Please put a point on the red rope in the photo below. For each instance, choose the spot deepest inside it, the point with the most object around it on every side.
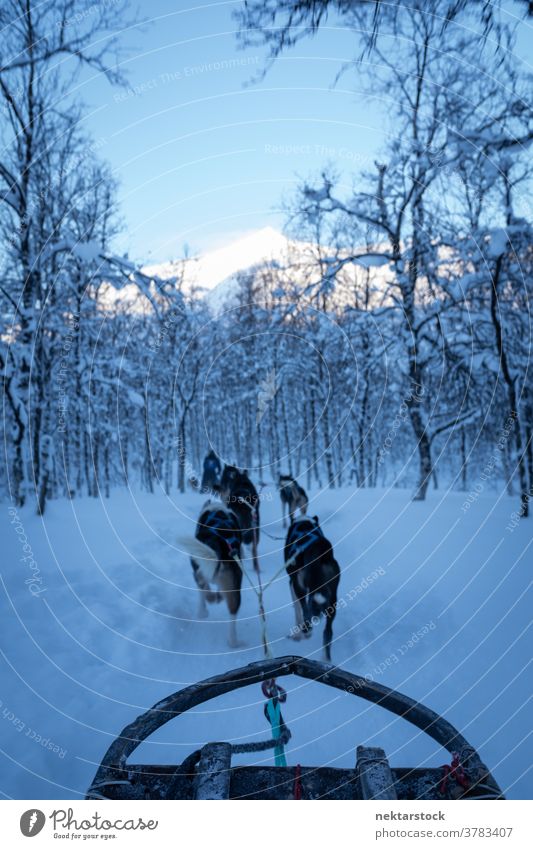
(298, 782)
(454, 770)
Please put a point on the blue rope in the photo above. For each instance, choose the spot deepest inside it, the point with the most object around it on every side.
(274, 716)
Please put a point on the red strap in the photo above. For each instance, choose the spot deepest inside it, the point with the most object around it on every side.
(298, 782)
(454, 770)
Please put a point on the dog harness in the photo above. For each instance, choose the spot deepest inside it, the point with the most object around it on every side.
(217, 521)
(291, 487)
(300, 541)
(245, 496)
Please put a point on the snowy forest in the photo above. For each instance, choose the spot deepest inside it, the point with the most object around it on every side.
(392, 349)
(297, 234)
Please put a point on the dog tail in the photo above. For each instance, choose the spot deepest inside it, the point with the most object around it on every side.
(201, 554)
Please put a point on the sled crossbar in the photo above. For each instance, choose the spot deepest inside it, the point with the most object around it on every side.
(373, 771)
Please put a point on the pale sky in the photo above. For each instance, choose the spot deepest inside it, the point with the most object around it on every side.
(205, 153)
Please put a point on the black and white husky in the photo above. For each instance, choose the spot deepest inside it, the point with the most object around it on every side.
(314, 576)
(293, 497)
(215, 557)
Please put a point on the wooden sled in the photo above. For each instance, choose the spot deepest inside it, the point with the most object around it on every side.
(208, 773)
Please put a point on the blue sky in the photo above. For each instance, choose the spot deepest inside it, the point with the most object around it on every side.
(204, 152)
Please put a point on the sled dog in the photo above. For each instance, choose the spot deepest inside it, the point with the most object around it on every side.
(215, 553)
(293, 497)
(314, 576)
(240, 495)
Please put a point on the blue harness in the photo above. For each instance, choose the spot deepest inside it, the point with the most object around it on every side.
(217, 521)
(299, 542)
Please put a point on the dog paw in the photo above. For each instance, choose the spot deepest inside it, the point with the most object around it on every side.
(237, 644)
(294, 635)
(213, 597)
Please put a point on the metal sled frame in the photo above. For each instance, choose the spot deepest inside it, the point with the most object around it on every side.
(208, 774)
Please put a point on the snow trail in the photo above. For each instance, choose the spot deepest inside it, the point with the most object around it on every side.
(430, 602)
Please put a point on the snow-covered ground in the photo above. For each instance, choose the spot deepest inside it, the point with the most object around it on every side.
(441, 616)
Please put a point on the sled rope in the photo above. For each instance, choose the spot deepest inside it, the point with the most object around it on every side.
(277, 742)
(260, 590)
(271, 536)
(274, 693)
(254, 546)
(279, 539)
(280, 732)
(270, 688)
(273, 712)
(236, 749)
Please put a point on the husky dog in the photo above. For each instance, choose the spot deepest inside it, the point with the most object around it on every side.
(293, 497)
(215, 557)
(314, 576)
(240, 495)
(229, 474)
(211, 473)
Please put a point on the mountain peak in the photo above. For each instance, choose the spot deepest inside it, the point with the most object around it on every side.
(210, 269)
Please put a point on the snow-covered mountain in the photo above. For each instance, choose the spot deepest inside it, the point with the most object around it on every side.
(214, 275)
(208, 272)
